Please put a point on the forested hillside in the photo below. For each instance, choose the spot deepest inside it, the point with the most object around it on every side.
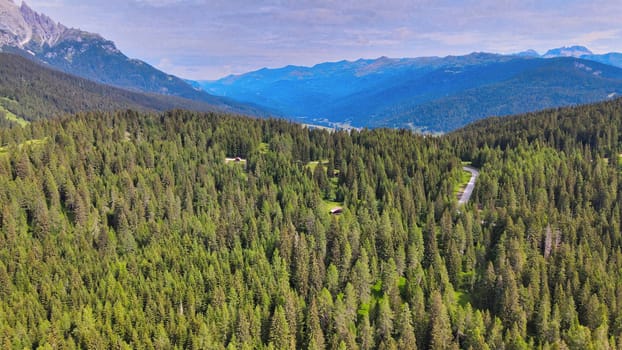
(30, 91)
(132, 231)
(40, 39)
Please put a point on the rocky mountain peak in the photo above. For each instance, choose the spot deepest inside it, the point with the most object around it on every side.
(44, 29)
(528, 53)
(22, 27)
(14, 31)
(568, 51)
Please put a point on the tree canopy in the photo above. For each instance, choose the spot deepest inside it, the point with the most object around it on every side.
(130, 230)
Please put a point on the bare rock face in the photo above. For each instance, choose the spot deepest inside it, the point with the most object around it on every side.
(44, 30)
(26, 32)
(22, 27)
(14, 31)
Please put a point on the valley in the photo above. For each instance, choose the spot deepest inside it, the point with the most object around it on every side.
(468, 201)
(432, 94)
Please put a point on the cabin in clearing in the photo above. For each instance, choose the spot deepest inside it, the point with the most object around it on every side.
(336, 211)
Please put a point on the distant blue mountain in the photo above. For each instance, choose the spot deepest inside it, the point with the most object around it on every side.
(612, 59)
(570, 51)
(427, 93)
(528, 53)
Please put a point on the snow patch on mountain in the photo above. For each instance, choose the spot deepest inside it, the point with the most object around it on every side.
(570, 51)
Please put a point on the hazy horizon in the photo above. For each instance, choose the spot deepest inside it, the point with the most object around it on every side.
(206, 40)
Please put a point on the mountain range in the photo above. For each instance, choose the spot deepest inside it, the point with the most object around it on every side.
(428, 93)
(435, 94)
(37, 37)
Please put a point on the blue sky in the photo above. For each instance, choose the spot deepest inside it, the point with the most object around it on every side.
(208, 39)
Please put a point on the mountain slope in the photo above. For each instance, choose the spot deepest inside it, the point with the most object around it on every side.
(312, 92)
(545, 84)
(612, 58)
(434, 94)
(31, 91)
(88, 55)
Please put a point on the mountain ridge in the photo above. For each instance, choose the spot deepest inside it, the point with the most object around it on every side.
(89, 55)
(368, 92)
(31, 91)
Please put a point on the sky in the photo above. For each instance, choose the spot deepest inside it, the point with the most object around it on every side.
(210, 39)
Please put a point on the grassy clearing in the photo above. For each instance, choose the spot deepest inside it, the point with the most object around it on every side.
(264, 148)
(312, 165)
(35, 142)
(462, 298)
(12, 117)
(236, 161)
(607, 160)
(377, 295)
(326, 205)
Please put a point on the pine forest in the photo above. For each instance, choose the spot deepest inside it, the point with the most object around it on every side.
(182, 230)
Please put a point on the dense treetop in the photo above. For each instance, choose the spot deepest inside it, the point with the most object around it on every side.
(130, 230)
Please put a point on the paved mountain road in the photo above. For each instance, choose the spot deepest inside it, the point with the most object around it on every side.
(468, 191)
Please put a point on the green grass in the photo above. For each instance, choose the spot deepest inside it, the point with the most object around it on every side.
(607, 160)
(364, 309)
(401, 283)
(232, 161)
(12, 117)
(377, 295)
(35, 142)
(312, 165)
(465, 177)
(264, 148)
(376, 289)
(328, 205)
(463, 298)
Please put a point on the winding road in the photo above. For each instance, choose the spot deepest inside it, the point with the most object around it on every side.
(468, 191)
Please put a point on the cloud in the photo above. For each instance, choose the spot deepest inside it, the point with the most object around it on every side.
(43, 5)
(199, 36)
(596, 36)
(165, 3)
